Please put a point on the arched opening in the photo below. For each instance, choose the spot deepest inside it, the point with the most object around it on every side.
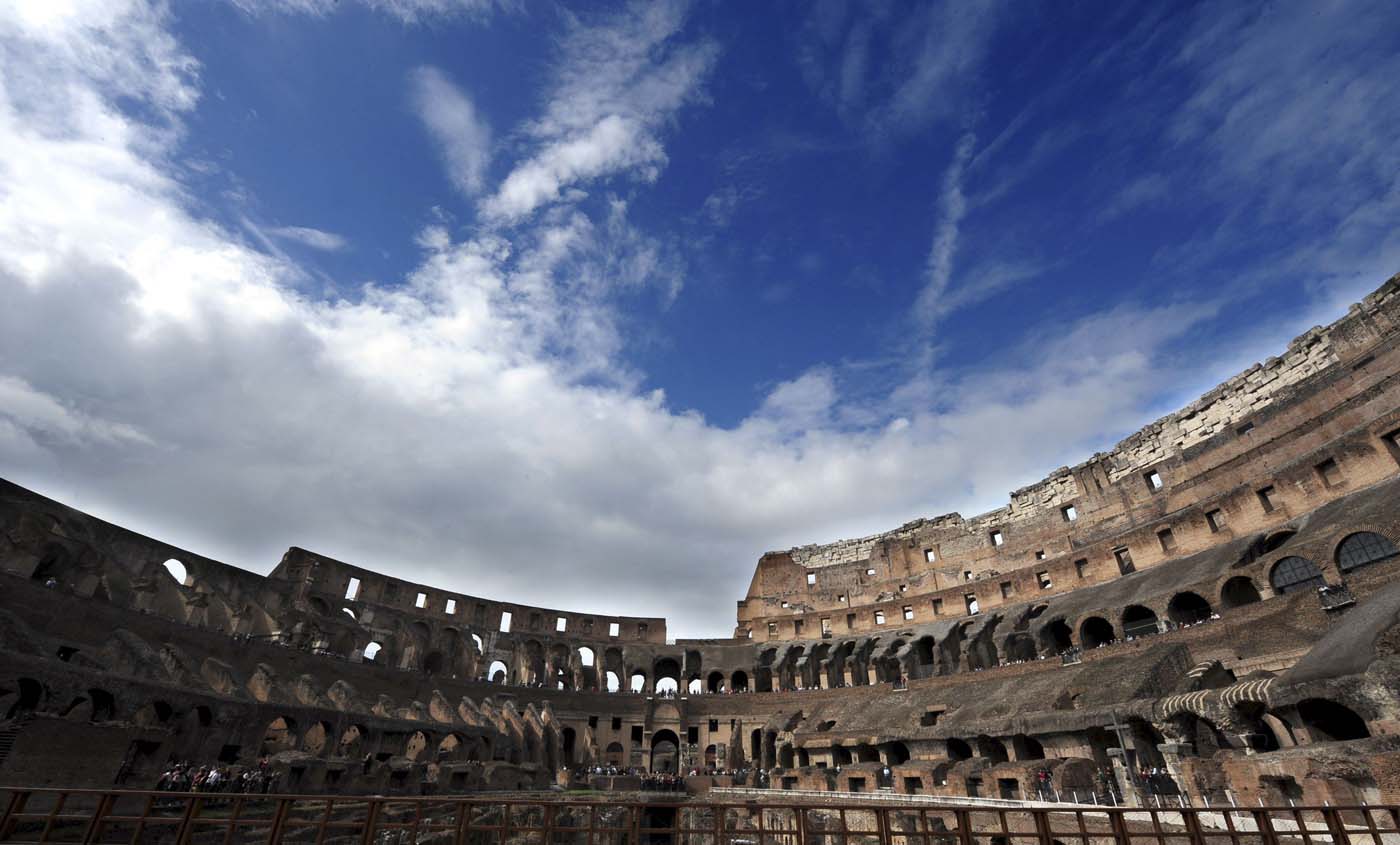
(497, 674)
(1139, 621)
(1019, 648)
(739, 682)
(865, 753)
(613, 683)
(352, 741)
(1096, 631)
(28, 698)
(785, 756)
(585, 656)
(1328, 721)
(1276, 540)
(432, 664)
(177, 570)
(665, 749)
(840, 755)
(1188, 608)
(372, 652)
(1363, 549)
(665, 686)
(1205, 737)
(958, 750)
(696, 686)
(895, 753)
(1295, 573)
(1027, 747)
(476, 640)
(416, 745)
(715, 683)
(570, 739)
(1238, 592)
(450, 747)
(613, 754)
(1056, 637)
(281, 735)
(104, 705)
(638, 681)
(992, 749)
(348, 612)
(314, 742)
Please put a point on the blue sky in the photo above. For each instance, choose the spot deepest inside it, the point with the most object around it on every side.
(536, 300)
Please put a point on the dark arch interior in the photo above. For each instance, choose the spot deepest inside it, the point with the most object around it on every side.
(1328, 721)
(1096, 631)
(1238, 592)
(1188, 608)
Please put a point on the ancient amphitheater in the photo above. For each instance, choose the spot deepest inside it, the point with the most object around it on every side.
(1206, 614)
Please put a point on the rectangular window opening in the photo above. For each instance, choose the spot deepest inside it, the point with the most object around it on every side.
(1329, 472)
(1125, 560)
(505, 621)
(1069, 513)
(451, 607)
(929, 556)
(1081, 567)
(1043, 579)
(826, 627)
(937, 607)
(967, 574)
(613, 629)
(908, 612)
(1244, 429)
(1040, 555)
(421, 600)
(797, 627)
(879, 617)
(772, 629)
(870, 570)
(617, 723)
(352, 592)
(1005, 589)
(1153, 479)
(850, 621)
(714, 725)
(1216, 520)
(997, 538)
(561, 625)
(970, 600)
(811, 579)
(1267, 498)
(1167, 539)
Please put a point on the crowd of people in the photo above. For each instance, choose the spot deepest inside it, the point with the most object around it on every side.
(184, 776)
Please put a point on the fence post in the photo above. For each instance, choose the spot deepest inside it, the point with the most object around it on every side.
(94, 829)
(279, 821)
(1042, 826)
(371, 822)
(964, 818)
(18, 799)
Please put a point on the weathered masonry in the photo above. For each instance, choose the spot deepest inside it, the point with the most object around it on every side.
(1208, 611)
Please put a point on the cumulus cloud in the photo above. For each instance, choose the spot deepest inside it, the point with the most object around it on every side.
(620, 81)
(462, 135)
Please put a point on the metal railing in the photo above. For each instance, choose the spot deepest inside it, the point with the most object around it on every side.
(137, 818)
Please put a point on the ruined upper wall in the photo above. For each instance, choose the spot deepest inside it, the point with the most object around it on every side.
(1219, 410)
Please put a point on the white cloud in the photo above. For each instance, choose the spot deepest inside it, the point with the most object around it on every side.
(952, 206)
(307, 236)
(472, 425)
(461, 134)
(408, 11)
(620, 81)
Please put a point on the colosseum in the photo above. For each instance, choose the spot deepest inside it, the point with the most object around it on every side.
(1202, 616)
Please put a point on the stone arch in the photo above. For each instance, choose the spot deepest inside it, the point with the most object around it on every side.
(613, 754)
(1056, 637)
(715, 682)
(1188, 608)
(314, 740)
(1096, 631)
(451, 747)
(637, 681)
(177, 571)
(1328, 721)
(1363, 548)
(417, 743)
(352, 741)
(665, 751)
(1139, 621)
(1294, 573)
(739, 681)
(992, 749)
(497, 672)
(279, 735)
(1238, 592)
(1019, 647)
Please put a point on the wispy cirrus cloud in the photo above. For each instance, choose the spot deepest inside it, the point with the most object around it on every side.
(620, 80)
(462, 135)
(310, 237)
